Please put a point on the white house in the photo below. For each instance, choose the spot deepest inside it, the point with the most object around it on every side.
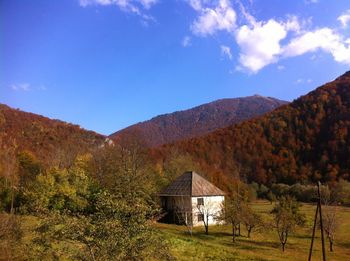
(190, 198)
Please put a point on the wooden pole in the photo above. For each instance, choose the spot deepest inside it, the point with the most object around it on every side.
(321, 222)
(313, 233)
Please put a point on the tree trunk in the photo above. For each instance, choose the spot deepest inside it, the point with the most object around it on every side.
(12, 201)
(233, 233)
(283, 244)
(207, 225)
(249, 230)
(331, 245)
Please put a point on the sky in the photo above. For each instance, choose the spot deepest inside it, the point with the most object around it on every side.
(107, 64)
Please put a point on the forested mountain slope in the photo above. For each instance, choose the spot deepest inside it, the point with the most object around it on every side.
(304, 141)
(200, 120)
(50, 141)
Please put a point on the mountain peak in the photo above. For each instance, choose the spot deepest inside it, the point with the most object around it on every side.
(200, 120)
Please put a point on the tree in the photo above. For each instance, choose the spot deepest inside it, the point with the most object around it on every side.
(207, 211)
(109, 224)
(9, 169)
(183, 212)
(330, 224)
(231, 213)
(286, 217)
(251, 220)
(115, 230)
(271, 197)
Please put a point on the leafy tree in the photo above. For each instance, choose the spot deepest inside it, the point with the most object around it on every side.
(28, 167)
(115, 230)
(271, 197)
(286, 217)
(59, 190)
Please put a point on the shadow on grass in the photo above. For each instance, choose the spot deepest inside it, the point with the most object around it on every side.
(253, 244)
(344, 244)
(202, 235)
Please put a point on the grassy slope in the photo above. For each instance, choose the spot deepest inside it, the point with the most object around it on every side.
(218, 244)
(262, 246)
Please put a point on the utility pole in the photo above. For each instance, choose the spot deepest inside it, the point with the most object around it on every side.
(318, 209)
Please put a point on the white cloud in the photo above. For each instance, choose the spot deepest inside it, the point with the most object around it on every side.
(21, 87)
(148, 3)
(221, 17)
(344, 19)
(186, 41)
(260, 44)
(132, 6)
(299, 81)
(303, 81)
(226, 51)
(196, 4)
(324, 39)
(311, 1)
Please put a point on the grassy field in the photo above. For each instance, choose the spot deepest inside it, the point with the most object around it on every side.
(218, 244)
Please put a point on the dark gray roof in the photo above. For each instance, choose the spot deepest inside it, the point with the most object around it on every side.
(191, 184)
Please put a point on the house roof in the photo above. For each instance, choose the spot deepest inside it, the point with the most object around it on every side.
(191, 184)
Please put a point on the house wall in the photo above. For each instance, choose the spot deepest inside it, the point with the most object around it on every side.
(179, 209)
(211, 208)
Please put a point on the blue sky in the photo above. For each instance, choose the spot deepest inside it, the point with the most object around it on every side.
(106, 64)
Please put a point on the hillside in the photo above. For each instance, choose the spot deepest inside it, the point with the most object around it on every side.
(50, 141)
(307, 140)
(200, 120)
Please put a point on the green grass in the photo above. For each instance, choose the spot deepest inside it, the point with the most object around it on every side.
(218, 244)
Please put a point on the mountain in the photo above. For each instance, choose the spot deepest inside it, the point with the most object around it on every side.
(307, 140)
(200, 120)
(50, 141)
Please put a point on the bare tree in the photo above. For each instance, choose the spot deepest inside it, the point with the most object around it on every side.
(251, 220)
(183, 212)
(208, 210)
(231, 213)
(287, 217)
(330, 224)
(330, 199)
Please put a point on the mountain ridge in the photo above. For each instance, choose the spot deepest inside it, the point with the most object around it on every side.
(305, 141)
(199, 120)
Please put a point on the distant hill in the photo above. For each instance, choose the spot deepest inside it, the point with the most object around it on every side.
(307, 140)
(50, 141)
(200, 120)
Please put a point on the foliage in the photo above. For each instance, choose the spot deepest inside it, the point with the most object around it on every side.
(307, 140)
(52, 142)
(200, 120)
(59, 190)
(114, 231)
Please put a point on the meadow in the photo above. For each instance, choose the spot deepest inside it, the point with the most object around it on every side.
(218, 244)
(263, 245)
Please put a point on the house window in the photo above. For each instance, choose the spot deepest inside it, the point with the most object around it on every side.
(200, 217)
(200, 201)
